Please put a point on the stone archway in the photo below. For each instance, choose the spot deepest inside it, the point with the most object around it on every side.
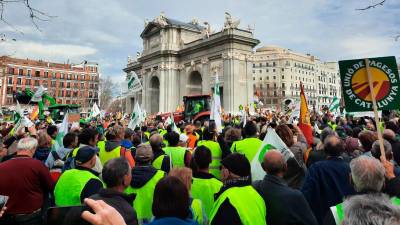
(194, 84)
(154, 94)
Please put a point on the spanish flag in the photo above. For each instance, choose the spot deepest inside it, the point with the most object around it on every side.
(35, 113)
(304, 122)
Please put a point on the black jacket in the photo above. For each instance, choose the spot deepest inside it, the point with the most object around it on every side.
(92, 187)
(121, 202)
(226, 213)
(141, 175)
(285, 206)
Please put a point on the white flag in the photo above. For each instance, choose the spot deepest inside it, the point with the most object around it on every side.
(62, 131)
(271, 141)
(334, 104)
(37, 97)
(134, 84)
(216, 106)
(95, 110)
(136, 117)
(171, 122)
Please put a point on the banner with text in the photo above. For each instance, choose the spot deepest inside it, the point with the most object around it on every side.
(385, 82)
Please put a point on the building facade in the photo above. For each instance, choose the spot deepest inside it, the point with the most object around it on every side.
(180, 59)
(67, 83)
(277, 73)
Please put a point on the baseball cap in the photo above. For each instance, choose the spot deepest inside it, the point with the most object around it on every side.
(84, 154)
(144, 153)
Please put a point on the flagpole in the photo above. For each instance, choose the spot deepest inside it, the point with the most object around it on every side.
(375, 108)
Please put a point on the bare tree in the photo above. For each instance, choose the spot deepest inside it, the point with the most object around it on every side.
(117, 105)
(373, 5)
(34, 14)
(106, 86)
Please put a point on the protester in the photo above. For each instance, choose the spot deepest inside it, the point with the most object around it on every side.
(144, 180)
(284, 204)
(196, 206)
(52, 131)
(127, 142)
(70, 141)
(171, 203)
(161, 160)
(44, 146)
(76, 184)
(327, 181)
(250, 144)
(371, 209)
(192, 139)
(27, 182)
(230, 206)
(112, 147)
(390, 136)
(179, 155)
(205, 185)
(209, 137)
(117, 177)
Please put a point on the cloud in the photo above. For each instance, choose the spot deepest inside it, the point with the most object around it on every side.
(29, 49)
(362, 46)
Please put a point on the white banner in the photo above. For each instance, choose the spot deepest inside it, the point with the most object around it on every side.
(134, 84)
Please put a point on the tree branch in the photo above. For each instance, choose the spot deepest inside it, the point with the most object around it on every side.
(373, 6)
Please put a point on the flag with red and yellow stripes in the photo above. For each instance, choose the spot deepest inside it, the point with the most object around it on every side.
(304, 121)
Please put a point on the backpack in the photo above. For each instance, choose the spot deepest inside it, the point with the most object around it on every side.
(69, 162)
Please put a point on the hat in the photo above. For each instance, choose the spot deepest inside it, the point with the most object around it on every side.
(85, 154)
(237, 164)
(144, 153)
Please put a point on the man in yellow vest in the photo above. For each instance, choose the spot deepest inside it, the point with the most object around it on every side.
(209, 138)
(161, 161)
(368, 176)
(75, 185)
(180, 156)
(249, 145)
(144, 180)
(204, 184)
(112, 147)
(237, 202)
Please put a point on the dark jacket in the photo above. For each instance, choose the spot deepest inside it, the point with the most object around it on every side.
(121, 202)
(92, 187)
(285, 206)
(126, 144)
(172, 221)
(327, 183)
(141, 175)
(396, 150)
(41, 154)
(165, 165)
(226, 213)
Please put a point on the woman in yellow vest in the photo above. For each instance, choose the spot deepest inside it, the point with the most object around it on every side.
(237, 202)
(204, 185)
(209, 140)
(196, 206)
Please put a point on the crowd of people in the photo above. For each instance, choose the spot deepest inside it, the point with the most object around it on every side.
(106, 173)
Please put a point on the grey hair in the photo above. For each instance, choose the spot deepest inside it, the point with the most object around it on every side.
(372, 209)
(376, 150)
(368, 174)
(27, 143)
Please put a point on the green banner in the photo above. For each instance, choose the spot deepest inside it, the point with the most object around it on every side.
(355, 85)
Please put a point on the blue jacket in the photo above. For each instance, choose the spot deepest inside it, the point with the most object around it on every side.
(326, 184)
(126, 144)
(172, 221)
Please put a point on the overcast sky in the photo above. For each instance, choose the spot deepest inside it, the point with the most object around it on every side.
(107, 31)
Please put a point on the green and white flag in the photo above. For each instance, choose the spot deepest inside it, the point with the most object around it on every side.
(95, 111)
(37, 97)
(134, 84)
(136, 117)
(170, 121)
(271, 141)
(62, 131)
(334, 104)
(216, 106)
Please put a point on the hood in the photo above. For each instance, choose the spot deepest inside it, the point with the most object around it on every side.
(126, 144)
(141, 175)
(111, 145)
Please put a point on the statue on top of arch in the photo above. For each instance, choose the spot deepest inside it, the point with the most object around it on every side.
(161, 20)
(230, 23)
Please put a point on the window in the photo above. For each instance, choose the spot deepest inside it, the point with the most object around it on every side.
(19, 81)
(69, 76)
(68, 85)
(267, 64)
(10, 80)
(254, 65)
(61, 76)
(283, 93)
(274, 85)
(267, 70)
(28, 82)
(53, 84)
(254, 78)
(260, 71)
(36, 82)
(82, 85)
(54, 75)
(283, 77)
(273, 64)
(82, 77)
(274, 77)
(29, 73)
(254, 71)
(275, 93)
(260, 64)
(37, 73)
(283, 85)
(273, 70)
(60, 93)
(267, 86)
(10, 70)
(68, 94)
(267, 78)
(9, 90)
(283, 69)
(46, 74)
(20, 72)
(260, 78)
